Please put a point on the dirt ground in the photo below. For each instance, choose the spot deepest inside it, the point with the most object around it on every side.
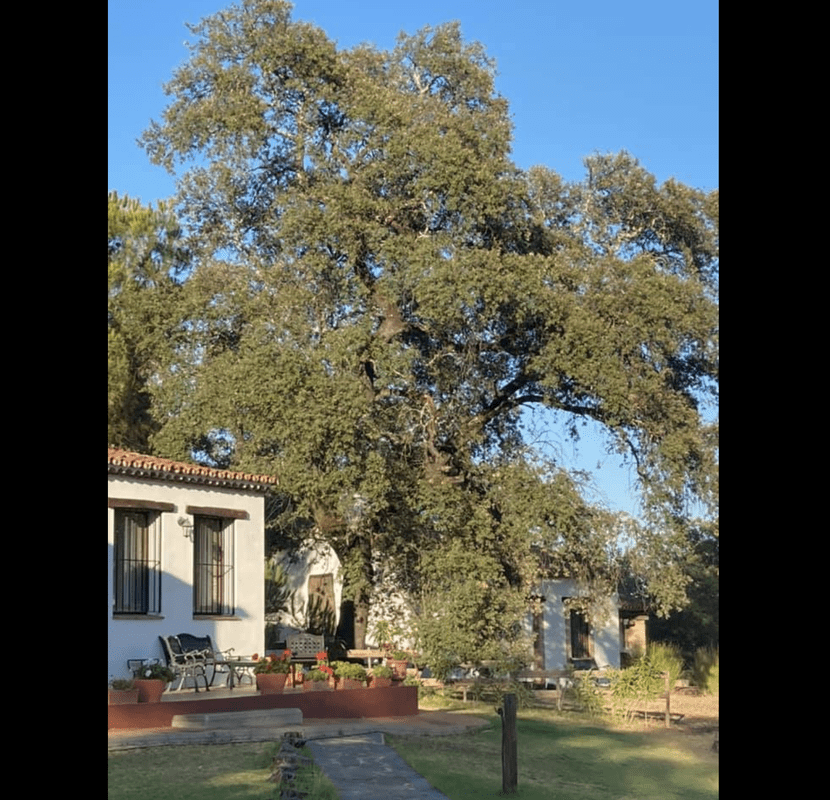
(700, 712)
(696, 730)
(694, 720)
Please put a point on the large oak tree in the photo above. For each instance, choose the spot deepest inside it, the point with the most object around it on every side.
(379, 293)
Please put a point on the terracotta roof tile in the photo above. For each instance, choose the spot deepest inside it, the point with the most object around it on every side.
(139, 465)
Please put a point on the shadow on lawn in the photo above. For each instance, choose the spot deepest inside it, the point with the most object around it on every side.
(567, 761)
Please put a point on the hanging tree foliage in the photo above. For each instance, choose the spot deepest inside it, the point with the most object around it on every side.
(379, 293)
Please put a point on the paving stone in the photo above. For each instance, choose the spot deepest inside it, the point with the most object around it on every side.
(365, 768)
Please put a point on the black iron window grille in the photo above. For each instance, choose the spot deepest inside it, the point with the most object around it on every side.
(213, 558)
(137, 573)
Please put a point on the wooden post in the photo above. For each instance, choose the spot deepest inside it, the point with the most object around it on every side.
(668, 700)
(509, 761)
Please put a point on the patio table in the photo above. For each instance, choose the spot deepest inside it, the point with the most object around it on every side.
(239, 668)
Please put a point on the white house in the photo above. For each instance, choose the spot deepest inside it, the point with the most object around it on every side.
(185, 555)
(564, 637)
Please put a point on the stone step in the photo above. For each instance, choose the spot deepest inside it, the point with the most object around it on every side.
(230, 720)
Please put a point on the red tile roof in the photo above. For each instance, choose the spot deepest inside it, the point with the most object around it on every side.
(124, 462)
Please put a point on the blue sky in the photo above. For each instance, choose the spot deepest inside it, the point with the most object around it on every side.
(640, 75)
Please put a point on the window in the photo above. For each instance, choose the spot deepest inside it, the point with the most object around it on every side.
(137, 569)
(580, 636)
(213, 550)
(537, 610)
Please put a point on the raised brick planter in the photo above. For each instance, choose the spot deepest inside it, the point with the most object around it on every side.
(398, 701)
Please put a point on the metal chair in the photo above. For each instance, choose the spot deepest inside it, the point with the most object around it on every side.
(184, 664)
(204, 651)
(304, 648)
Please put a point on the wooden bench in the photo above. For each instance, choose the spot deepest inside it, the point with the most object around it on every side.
(366, 655)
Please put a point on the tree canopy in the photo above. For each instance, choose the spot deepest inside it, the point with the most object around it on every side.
(378, 293)
(145, 265)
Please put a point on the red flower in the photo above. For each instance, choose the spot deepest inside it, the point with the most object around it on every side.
(255, 657)
(322, 655)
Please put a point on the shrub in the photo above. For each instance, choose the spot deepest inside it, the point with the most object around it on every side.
(640, 682)
(382, 671)
(523, 692)
(588, 695)
(494, 692)
(666, 658)
(322, 672)
(706, 668)
(346, 669)
(441, 664)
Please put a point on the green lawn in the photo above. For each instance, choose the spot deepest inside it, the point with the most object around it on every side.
(562, 759)
(560, 756)
(204, 772)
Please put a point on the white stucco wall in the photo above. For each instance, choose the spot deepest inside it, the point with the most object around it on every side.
(312, 558)
(605, 633)
(245, 631)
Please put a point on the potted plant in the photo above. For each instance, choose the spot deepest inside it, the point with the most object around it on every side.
(349, 675)
(121, 691)
(152, 683)
(397, 660)
(381, 677)
(318, 679)
(272, 672)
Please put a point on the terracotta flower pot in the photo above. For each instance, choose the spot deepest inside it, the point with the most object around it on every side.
(150, 691)
(121, 697)
(381, 683)
(271, 683)
(316, 686)
(398, 667)
(349, 683)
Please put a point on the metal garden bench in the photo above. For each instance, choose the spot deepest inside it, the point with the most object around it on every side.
(191, 656)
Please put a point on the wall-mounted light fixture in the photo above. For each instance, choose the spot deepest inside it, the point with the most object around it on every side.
(187, 527)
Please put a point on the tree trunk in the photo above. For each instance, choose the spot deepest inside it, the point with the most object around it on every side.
(345, 628)
(357, 585)
(509, 760)
(361, 620)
